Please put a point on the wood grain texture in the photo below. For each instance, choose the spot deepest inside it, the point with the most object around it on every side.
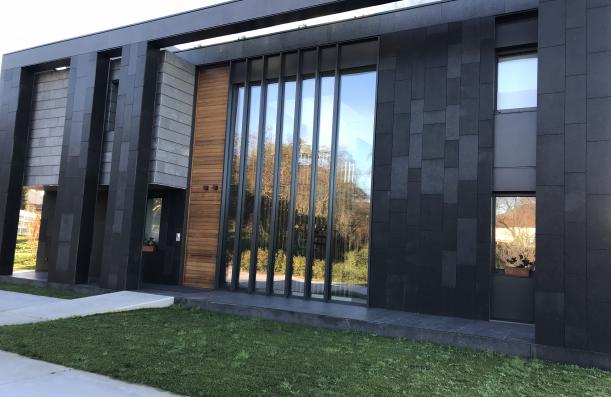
(206, 170)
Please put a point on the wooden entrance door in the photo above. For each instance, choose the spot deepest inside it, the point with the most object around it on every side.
(207, 160)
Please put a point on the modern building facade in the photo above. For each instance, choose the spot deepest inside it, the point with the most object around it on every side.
(447, 158)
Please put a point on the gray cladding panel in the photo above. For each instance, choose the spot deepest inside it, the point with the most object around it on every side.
(173, 122)
(115, 68)
(515, 151)
(47, 128)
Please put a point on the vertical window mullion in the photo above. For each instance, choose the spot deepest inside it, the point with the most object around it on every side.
(258, 178)
(271, 257)
(240, 204)
(313, 177)
(294, 165)
(332, 179)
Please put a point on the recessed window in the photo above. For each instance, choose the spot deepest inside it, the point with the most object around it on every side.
(517, 82)
(153, 221)
(515, 229)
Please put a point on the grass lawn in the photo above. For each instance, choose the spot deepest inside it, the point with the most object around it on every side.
(43, 291)
(25, 254)
(199, 353)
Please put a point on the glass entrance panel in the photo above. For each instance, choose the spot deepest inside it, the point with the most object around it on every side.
(267, 184)
(284, 186)
(230, 232)
(353, 187)
(323, 173)
(250, 175)
(304, 175)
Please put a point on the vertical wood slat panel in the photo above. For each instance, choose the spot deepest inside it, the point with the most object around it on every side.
(206, 170)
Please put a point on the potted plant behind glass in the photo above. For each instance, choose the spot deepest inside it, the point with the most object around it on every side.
(520, 267)
(149, 245)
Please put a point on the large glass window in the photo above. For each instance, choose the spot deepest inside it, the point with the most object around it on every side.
(304, 175)
(234, 184)
(248, 203)
(517, 82)
(515, 229)
(284, 186)
(267, 184)
(306, 188)
(323, 174)
(353, 186)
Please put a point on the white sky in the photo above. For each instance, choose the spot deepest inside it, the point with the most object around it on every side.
(28, 23)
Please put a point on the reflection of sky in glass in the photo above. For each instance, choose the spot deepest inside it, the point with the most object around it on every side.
(307, 113)
(271, 110)
(288, 120)
(517, 82)
(356, 123)
(327, 88)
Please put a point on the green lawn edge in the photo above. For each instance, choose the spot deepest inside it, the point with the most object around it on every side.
(199, 353)
(43, 291)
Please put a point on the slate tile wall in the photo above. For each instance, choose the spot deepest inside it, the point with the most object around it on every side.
(173, 122)
(80, 168)
(48, 117)
(16, 87)
(433, 170)
(573, 305)
(128, 189)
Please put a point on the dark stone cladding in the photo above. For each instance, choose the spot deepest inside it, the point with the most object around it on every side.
(16, 88)
(430, 232)
(573, 304)
(127, 194)
(70, 251)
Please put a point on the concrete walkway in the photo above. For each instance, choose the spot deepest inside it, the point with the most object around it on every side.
(24, 377)
(17, 308)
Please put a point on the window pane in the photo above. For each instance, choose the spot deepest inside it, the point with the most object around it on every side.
(325, 134)
(284, 188)
(267, 184)
(233, 188)
(517, 82)
(515, 231)
(153, 221)
(353, 186)
(304, 172)
(249, 184)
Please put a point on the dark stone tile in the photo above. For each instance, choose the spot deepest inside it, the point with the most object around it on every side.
(467, 199)
(549, 318)
(551, 113)
(599, 228)
(552, 66)
(598, 274)
(451, 154)
(599, 161)
(599, 29)
(466, 241)
(575, 101)
(599, 74)
(550, 263)
(599, 323)
(576, 50)
(599, 119)
(575, 148)
(431, 207)
(575, 248)
(381, 177)
(433, 142)
(435, 89)
(398, 180)
(432, 176)
(550, 210)
(550, 159)
(551, 23)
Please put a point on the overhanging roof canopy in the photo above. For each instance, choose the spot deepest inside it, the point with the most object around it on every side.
(221, 19)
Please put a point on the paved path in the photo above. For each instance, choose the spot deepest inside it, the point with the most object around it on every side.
(24, 377)
(17, 308)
